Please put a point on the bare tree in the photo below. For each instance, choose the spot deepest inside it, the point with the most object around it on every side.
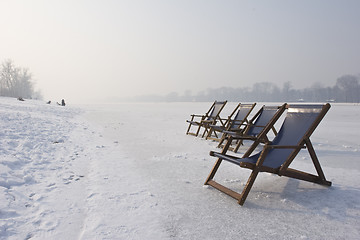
(348, 87)
(7, 76)
(15, 81)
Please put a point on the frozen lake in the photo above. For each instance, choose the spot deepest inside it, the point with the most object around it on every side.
(128, 171)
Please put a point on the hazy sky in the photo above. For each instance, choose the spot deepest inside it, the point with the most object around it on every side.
(82, 50)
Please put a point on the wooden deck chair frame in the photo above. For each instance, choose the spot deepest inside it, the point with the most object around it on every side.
(283, 170)
(257, 122)
(210, 117)
(235, 124)
(224, 122)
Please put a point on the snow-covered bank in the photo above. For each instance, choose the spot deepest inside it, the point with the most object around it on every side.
(128, 171)
(40, 167)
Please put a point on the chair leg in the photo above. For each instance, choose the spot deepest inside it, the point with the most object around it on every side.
(209, 133)
(245, 192)
(187, 132)
(240, 142)
(223, 137)
(293, 173)
(192, 119)
(248, 186)
(213, 135)
(315, 160)
(253, 176)
(218, 162)
(198, 130)
(213, 171)
(207, 129)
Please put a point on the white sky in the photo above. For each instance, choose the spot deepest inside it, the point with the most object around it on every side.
(83, 50)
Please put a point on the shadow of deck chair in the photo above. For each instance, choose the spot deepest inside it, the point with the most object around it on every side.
(294, 135)
(238, 123)
(210, 117)
(265, 116)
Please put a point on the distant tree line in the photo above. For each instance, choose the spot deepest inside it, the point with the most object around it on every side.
(16, 81)
(346, 89)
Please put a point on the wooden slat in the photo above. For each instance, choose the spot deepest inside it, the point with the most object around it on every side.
(190, 133)
(293, 173)
(224, 189)
(214, 139)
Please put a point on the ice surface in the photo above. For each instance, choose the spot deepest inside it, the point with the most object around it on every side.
(128, 171)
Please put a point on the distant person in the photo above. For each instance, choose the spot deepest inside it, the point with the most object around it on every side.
(49, 102)
(20, 99)
(62, 103)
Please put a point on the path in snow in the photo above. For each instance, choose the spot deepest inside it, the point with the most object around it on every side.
(38, 170)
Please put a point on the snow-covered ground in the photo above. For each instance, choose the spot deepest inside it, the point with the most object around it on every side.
(128, 171)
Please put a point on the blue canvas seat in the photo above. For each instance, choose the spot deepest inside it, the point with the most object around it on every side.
(276, 156)
(265, 116)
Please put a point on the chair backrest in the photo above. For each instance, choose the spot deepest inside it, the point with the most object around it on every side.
(216, 109)
(263, 118)
(241, 115)
(300, 122)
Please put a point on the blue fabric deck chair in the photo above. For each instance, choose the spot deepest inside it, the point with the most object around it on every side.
(275, 157)
(237, 123)
(210, 117)
(266, 115)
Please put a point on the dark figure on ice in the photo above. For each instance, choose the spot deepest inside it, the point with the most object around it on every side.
(62, 103)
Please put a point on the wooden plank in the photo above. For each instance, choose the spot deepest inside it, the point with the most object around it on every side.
(214, 139)
(224, 189)
(293, 173)
(190, 133)
(315, 159)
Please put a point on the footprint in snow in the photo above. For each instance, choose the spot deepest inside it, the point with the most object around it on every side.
(50, 187)
(72, 178)
(92, 195)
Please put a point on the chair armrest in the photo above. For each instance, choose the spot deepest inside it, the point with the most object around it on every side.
(238, 136)
(234, 132)
(283, 146)
(207, 121)
(193, 116)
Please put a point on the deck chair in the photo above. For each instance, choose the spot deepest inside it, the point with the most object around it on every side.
(224, 122)
(262, 118)
(275, 157)
(239, 122)
(210, 117)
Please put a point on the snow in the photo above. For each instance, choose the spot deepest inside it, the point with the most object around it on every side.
(129, 171)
